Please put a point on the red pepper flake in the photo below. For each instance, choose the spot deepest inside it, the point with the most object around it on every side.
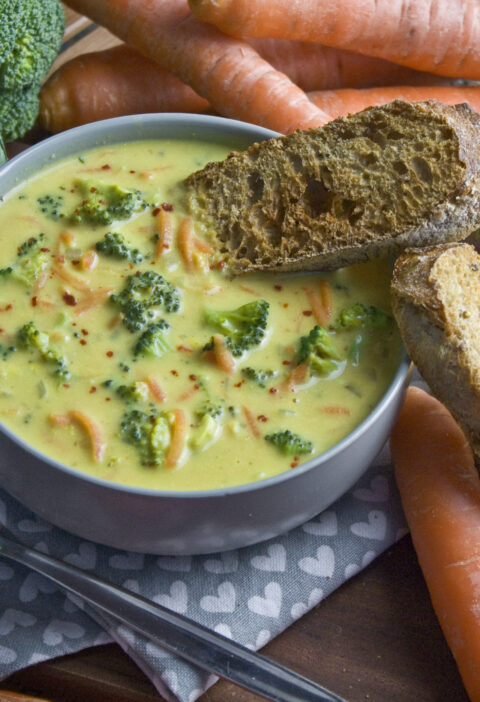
(262, 418)
(107, 399)
(75, 262)
(34, 301)
(131, 266)
(85, 332)
(109, 354)
(239, 384)
(132, 171)
(286, 363)
(294, 463)
(167, 207)
(278, 287)
(192, 376)
(66, 385)
(184, 348)
(83, 342)
(155, 211)
(285, 305)
(174, 372)
(69, 299)
(307, 313)
(92, 390)
(106, 167)
(44, 250)
(273, 391)
(93, 189)
(8, 307)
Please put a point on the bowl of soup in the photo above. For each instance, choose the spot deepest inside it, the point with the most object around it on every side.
(151, 400)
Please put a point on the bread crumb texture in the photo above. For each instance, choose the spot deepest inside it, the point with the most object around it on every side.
(365, 185)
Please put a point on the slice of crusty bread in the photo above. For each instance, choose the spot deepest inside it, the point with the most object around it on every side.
(436, 302)
(371, 184)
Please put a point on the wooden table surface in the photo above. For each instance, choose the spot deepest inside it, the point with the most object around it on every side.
(375, 639)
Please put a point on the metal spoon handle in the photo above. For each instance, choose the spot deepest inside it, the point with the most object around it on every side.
(176, 633)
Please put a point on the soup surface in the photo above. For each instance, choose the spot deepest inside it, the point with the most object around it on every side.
(124, 353)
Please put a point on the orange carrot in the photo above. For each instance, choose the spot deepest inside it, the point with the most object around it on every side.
(89, 260)
(343, 102)
(116, 81)
(228, 72)
(440, 491)
(92, 299)
(88, 425)
(164, 226)
(68, 277)
(437, 36)
(202, 246)
(333, 409)
(156, 390)
(320, 312)
(185, 242)
(326, 298)
(252, 424)
(179, 436)
(222, 356)
(297, 377)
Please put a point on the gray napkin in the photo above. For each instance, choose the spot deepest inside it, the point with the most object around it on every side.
(250, 595)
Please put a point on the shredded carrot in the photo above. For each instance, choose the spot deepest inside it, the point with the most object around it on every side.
(115, 321)
(319, 311)
(222, 355)
(71, 279)
(326, 298)
(440, 37)
(202, 246)
(227, 72)
(89, 260)
(93, 431)
(297, 377)
(188, 393)
(252, 424)
(40, 282)
(178, 438)
(335, 410)
(440, 491)
(164, 227)
(94, 298)
(59, 420)
(185, 242)
(44, 302)
(249, 290)
(156, 390)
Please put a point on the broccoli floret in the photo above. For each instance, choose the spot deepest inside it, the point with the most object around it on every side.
(243, 327)
(205, 432)
(50, 206)
(317, 349)
(141, 292)
(31, 262)
(258, 376)
(136, 392)
(148, 433)
(30, 39)
(114, 244)
(289, 443)
(210, 408)
(103, 203)
(6, 351)
(152, 341)
(29, 337)
(358, 315)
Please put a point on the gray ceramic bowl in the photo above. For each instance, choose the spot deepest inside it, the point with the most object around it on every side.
(155, 521)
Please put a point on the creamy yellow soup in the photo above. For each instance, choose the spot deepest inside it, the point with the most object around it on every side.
(75, 370)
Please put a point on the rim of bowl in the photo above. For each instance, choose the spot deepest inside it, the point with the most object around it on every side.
(242, 130)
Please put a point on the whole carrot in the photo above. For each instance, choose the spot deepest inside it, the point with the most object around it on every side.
(440, 491)
(110, 83)
(229, 73)
(441, 36)
(343, 102)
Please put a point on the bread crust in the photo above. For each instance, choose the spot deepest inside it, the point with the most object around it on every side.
(435, 299)
(363, 186)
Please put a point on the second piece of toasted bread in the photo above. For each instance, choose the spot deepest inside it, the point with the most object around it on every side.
(436, 302)
(371, 184)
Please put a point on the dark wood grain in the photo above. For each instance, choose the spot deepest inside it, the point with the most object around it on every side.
(375, 639)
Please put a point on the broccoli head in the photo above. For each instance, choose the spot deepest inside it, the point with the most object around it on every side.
(358, 315)
(141, 292)
(32, 260)
(152, 341)
(30, 39)
(258, 376)
(114, 244)
(31, 338)
(103, 203)
(148, 433)
(136, 392)
(243, 327)
(210, 408)
(289, 443)
(206, 431)
(317, 349)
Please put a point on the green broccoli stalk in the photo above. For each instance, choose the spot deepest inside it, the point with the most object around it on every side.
(243, 327)
(359, 316)
(115, 245)
(103, 203)
(258, 376)
(30, 39)
(32, 261)
(148, 433)
(31, 338)
(289, 443)
(317, 349)
(141, 292)
(152, 341)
